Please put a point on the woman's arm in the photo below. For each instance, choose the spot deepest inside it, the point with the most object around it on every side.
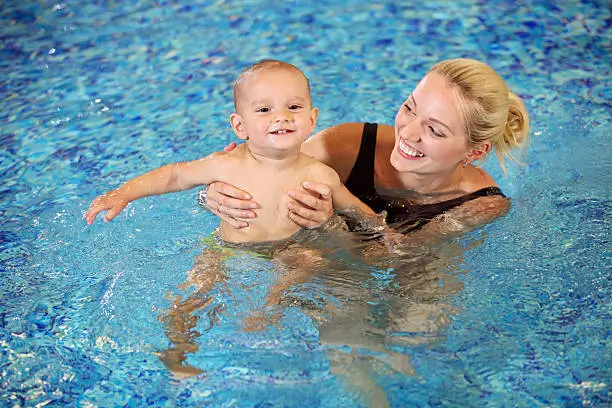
(459, 220)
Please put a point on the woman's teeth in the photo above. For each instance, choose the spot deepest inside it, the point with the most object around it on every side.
(410, 152)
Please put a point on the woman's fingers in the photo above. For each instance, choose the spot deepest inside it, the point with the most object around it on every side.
(231, 204)
(231, 220)
(304, 218)
(235, 217)
(229, 196)
(317, 189)
(318, 216)
(312, 206)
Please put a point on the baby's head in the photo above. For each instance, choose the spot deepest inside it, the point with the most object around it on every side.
(252, 73)
(274, 109)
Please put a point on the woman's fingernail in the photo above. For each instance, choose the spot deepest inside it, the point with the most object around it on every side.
(253, 205)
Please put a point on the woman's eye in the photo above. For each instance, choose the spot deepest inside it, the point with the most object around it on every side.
(437, 134)
(408, 109)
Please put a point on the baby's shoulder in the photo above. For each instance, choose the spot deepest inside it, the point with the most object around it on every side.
(235, 156)
(319, 171)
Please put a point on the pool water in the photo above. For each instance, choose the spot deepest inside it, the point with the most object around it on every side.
(516, 313)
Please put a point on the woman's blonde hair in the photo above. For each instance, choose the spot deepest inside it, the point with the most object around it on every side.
(491, 112)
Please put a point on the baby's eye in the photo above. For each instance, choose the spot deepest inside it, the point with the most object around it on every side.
(294, 107)
(263, 110)
(408, 108)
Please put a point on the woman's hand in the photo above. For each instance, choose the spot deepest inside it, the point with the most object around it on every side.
(113, 201)
(231, 204)
(312, 206)
(227, 202)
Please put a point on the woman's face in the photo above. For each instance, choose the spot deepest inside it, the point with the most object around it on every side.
(430, 136)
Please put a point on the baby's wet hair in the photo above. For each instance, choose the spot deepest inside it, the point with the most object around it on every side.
(267, 64)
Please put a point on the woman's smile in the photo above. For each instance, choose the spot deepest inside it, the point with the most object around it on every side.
(408, 151)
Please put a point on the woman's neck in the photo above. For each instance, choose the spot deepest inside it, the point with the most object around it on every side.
(434, 184)
(430, 185)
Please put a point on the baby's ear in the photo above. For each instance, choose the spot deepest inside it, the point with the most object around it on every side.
(238, 126)
(314, 114)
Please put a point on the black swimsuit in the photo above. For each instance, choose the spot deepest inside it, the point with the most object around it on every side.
(401, 213)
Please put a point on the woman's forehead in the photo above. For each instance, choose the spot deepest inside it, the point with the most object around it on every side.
(438, 99)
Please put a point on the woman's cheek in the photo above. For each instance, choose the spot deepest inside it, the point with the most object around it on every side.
(398, 118)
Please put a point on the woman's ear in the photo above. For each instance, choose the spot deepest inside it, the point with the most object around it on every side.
(238, 126)
(479, 152)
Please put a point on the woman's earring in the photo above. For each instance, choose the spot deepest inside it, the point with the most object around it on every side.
(465, 163)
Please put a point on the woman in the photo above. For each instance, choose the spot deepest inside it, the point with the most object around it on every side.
(421, 172)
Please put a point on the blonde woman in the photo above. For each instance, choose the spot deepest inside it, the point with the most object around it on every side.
(423, 172)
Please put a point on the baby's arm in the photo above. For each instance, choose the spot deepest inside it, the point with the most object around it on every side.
(342, 198)
(166, 179)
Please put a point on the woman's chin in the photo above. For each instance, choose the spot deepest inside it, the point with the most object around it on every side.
(403, 164)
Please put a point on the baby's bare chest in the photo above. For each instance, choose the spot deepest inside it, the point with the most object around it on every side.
(270, 192)
(269, 189)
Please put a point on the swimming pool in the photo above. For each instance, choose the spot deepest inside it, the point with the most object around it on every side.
(514, 314)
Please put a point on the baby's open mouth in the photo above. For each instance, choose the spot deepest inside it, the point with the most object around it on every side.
(281, 131)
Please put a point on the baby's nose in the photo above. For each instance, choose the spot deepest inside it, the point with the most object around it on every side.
(283, 115)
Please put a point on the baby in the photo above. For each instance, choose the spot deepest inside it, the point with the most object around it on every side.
(274, 115)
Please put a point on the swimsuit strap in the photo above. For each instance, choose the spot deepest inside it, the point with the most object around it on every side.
(483, 192)
(360, 181)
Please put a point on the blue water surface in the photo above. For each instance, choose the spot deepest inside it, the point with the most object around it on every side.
(94, 92)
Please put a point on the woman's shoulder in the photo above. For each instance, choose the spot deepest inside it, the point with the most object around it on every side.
(477, 179)
(481, 210)
(336, 146)
(483, 200)
(333, 139)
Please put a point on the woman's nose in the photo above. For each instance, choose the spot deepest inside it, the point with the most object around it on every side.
(411, 131)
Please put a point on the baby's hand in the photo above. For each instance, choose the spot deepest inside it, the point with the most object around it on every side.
(113, 201)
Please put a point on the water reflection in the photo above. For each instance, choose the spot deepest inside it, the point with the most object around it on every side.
(370, 301)
(377, 310)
